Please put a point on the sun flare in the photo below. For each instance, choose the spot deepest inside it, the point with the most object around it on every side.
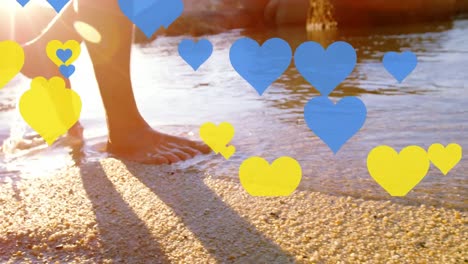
(8, 12)
(23, 23)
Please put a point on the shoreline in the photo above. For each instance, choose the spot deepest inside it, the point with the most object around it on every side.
(115, 211)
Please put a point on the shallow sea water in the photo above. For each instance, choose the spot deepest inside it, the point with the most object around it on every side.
(430, 106)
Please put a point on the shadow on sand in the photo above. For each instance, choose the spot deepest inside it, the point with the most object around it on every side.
(220, 229)
(227, 236)
(125, 237)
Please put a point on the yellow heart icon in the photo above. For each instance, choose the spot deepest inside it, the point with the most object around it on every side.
(445, 158)
(280, 179)
(11, 61)
(50, 108)
(228, 152)
(218, 137)
(398, 173)
(55, 46)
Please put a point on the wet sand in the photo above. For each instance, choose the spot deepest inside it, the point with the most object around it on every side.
(115, 212)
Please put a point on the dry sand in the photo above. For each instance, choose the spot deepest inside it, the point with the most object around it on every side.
(111, 212)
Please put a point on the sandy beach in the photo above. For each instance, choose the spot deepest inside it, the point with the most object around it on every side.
(116, 212)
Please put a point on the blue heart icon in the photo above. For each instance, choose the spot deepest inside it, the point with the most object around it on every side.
(260, 66)
(64, 54)
(335, 124)
(195, 54)
(58, 4)
(400, 65)
(150, 15)
(325, 69)
(67, 71)
(22, 2)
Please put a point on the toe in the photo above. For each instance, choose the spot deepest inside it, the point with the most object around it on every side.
(187, 150)
(170, 156)
(157, 159)
(179, 153)
(202, 147)
(197, 145)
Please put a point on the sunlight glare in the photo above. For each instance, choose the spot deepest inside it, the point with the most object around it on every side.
(8, 9)
(87, 31)
(9, 4)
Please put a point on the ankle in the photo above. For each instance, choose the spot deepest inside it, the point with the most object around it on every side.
(123, 132)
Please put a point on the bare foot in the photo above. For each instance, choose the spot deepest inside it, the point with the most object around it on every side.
(151, 147)
(74, 137)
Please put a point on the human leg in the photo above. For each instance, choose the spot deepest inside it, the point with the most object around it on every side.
(129, 134)
(38, 64)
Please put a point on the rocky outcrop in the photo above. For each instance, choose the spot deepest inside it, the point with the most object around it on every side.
(321, 15)
(203, 17)
(253, 5)
(211, 17)
(286, 12)
(227, 14)
(376, 12)
(362, 12)
(462, 6)
(208, 16)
